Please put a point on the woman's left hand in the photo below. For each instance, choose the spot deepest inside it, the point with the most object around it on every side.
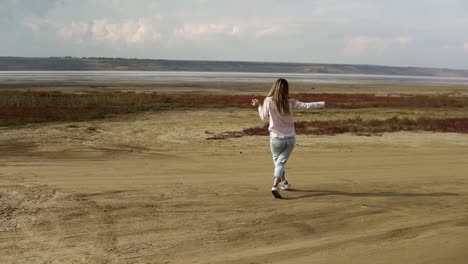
(254, 102)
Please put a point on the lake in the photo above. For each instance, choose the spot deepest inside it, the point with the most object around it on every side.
(16, 77)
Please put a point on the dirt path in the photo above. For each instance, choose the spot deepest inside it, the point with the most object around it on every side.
(152, 189)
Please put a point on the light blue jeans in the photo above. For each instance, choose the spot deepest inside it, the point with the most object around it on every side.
(281, 148)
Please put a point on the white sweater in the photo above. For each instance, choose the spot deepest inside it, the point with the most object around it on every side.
(282, 126)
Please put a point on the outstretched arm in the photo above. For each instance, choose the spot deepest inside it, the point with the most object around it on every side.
(301, 105)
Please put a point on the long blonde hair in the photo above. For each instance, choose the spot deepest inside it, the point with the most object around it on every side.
(279, 92)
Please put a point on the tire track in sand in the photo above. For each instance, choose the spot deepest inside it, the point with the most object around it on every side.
(62, 228)
(277, 253)
(97, 221)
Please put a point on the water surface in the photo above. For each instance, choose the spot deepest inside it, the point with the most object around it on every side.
(17, 77)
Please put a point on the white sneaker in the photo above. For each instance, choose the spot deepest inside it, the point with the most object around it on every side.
(275, 192)
(285, 185)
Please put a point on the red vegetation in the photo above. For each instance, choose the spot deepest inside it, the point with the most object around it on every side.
(21, 115)
(369, 100)
(27, 107)
(369, 127)
(333, 100)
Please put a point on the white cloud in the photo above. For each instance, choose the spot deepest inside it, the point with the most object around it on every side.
(76, 31)
(269, 31)
(370, 45)
(364, 44)
(35, 23)
(129, 31)
(465, 46)
(403, 40)
(205, 31)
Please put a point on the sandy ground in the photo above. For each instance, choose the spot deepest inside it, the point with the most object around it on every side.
(151, 188)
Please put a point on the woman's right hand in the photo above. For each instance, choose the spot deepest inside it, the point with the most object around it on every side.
(254, 102)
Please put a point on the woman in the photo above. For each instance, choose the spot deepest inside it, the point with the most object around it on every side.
(277, 108)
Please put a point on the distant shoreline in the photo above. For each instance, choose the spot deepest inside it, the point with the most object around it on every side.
(123, 64)
(160, 77)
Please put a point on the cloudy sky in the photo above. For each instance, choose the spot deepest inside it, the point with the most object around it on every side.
(430, 33)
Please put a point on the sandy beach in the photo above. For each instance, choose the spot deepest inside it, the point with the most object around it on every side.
(151, 188)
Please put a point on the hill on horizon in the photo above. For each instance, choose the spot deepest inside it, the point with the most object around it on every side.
(123, 64)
